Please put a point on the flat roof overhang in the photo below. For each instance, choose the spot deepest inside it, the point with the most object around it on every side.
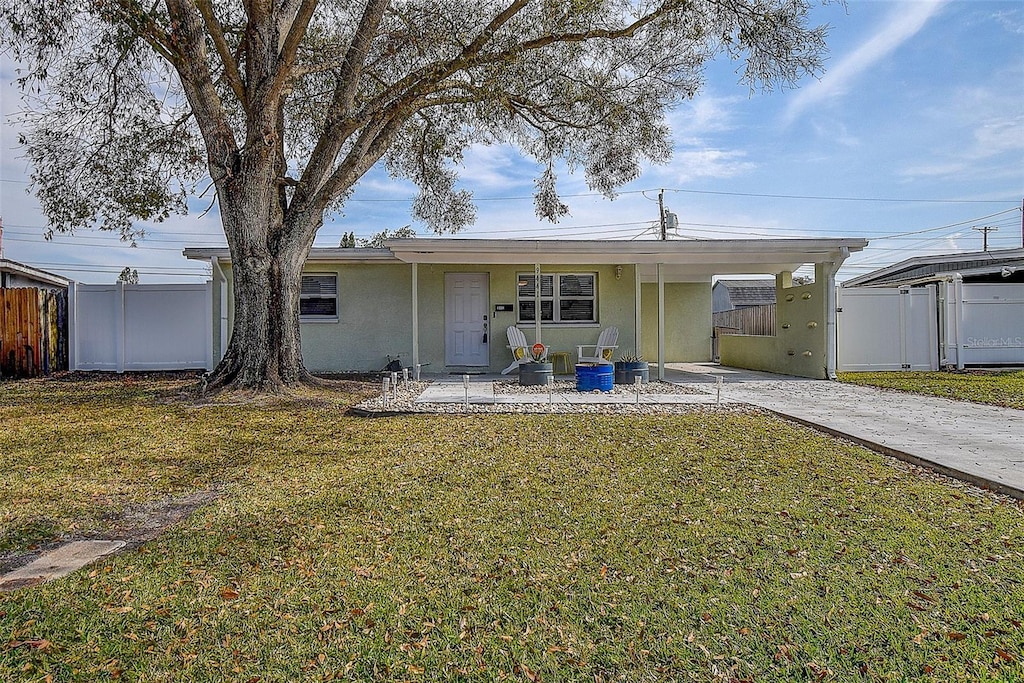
(684, 258)
(43, 276)
(680, 259)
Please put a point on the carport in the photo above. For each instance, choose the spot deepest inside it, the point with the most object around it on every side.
(667, 276)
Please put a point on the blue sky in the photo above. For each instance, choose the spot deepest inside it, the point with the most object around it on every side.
(916, 127)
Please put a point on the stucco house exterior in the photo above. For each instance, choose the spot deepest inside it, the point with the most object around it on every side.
(446, 303)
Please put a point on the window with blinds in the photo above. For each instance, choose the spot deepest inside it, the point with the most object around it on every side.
(564, 297)
(318, 299)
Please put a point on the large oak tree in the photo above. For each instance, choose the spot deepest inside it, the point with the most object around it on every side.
(132, 107)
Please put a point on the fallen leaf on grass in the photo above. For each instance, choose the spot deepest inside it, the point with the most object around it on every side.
(525, 671)
(925, 596)
(1004, 655)
(229, 593)
(953, 635)
(40, 644)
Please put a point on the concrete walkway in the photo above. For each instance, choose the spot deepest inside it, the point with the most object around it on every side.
(977, 443)
(450, 389)
(58, 562)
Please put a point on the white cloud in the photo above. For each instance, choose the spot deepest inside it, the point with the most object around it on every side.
(983, 133)
(1011, 20)
(703, 115)
(900, 26)
(709, 163)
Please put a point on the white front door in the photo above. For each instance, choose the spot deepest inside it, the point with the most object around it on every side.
(465, 319)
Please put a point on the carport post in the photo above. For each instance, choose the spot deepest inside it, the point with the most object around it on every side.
(661, 324)
(637, 314)
(415, 315)
(536, 303)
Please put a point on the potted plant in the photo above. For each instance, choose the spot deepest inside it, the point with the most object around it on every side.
(538, 371)
(629, 367)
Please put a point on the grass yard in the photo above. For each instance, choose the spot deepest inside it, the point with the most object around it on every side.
(712, 546)
(996, 388)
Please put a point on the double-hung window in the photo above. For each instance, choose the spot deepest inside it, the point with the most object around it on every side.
(318, 300)
(564, 298)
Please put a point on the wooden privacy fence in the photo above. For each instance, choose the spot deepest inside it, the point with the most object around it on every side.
(755, 320)
(33, 332)
(758, 320)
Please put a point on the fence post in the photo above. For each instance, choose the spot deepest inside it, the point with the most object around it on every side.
(72, 314)
(120, 323)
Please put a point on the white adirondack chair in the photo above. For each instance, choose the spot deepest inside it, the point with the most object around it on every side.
(522, 352)
(603, 349)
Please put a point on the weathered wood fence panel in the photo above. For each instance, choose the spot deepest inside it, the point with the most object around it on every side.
(33, 332)
(757, 320)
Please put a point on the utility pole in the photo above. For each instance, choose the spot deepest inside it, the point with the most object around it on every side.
(985, 230)
(661, 212)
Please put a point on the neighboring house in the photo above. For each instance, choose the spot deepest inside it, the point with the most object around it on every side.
(929, 312)
(14, 275)
(730, 295)
(33, 320)
(448, 302)
(1000, 266)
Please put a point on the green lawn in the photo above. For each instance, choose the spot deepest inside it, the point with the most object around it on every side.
(996, 388)
(712, 546)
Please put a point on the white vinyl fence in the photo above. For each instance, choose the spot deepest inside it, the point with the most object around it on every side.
(948, 323)
(123, 327)
(887, 329)
(982, 323)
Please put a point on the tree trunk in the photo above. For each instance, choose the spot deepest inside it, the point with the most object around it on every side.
(265, 351)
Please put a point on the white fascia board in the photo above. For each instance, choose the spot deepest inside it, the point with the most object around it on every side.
(316, 255)
(707, 253)
(33, 273)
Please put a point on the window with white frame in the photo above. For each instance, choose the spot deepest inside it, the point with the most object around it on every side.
(318, 299)
(564, 298)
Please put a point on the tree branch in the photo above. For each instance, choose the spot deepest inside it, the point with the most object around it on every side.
(338, 127)
(231, 72)
(286, 57)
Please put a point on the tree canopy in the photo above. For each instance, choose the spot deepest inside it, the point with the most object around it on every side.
(283, 105)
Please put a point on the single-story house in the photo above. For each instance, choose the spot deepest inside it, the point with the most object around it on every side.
(1000, 266)
(16, 275)
(731, 295)
(447, 302)
(928, 312)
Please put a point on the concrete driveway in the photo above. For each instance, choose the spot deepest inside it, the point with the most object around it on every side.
(978, 443)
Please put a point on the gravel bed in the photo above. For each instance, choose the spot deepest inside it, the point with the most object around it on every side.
(373, 407)
(405, 402)
(569, 386)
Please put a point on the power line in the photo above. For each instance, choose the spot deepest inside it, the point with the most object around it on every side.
(893, 200)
